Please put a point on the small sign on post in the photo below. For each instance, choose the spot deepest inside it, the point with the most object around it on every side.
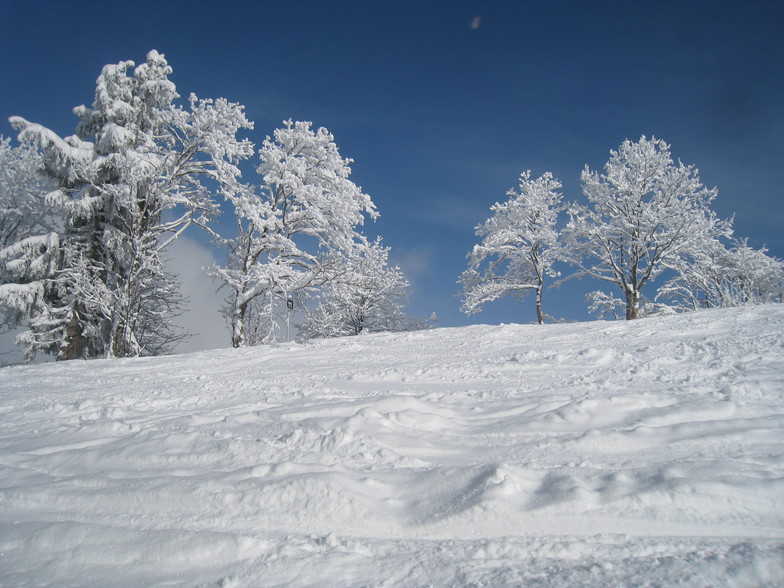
(289, 308)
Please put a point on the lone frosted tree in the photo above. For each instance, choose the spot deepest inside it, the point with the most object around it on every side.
(305, 209)
(367, 295)
(519, 246)
(139, 170)
(645, 212)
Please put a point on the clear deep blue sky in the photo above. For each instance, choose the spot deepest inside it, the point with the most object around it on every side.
(440, 117)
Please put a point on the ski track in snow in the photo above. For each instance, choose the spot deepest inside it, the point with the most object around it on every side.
(647, 453)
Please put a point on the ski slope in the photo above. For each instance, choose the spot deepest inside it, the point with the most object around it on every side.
(646, 453)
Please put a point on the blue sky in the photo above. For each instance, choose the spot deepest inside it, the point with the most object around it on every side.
(440, 117)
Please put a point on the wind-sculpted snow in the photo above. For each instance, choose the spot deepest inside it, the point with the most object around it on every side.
(646, 453)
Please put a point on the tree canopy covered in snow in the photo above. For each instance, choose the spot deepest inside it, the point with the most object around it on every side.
(130, 181)
(28, 231)
(293, 228)
(519, 245)
(645, 213)
(717, 275)
(367, 296)
(86, 221)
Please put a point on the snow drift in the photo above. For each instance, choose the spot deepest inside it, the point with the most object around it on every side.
(638, 453)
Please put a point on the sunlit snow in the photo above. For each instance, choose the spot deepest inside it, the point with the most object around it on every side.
(637, 453)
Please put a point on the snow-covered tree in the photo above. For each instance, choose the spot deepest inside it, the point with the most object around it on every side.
(28, 231)
(602, 304)
(24, 210)
(721, 276)
(759, 278)
(305, 209)
(368, 295)
(645, 214)
(519, 246)
(138, 172)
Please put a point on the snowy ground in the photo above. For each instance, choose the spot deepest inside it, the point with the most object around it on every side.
(648, 453)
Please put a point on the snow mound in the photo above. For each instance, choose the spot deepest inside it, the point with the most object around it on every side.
(640, 453)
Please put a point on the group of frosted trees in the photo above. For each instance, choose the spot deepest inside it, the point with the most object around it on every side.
(646, 217)
(85, 222)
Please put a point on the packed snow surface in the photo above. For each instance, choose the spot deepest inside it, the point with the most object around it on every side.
(646, 453)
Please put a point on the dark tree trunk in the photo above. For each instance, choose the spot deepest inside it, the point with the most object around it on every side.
(238, 325)
(74, 339)
(632, 304)
(539, 313)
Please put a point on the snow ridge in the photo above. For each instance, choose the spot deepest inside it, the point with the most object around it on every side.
(619, 453)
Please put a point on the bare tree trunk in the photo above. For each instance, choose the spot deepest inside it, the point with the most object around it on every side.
(539, 313)
(632, 304)
(238, 325)
(74, 340)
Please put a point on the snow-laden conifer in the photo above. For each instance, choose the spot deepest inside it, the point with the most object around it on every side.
(138, 172)
(28, 232)
(518, 248)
